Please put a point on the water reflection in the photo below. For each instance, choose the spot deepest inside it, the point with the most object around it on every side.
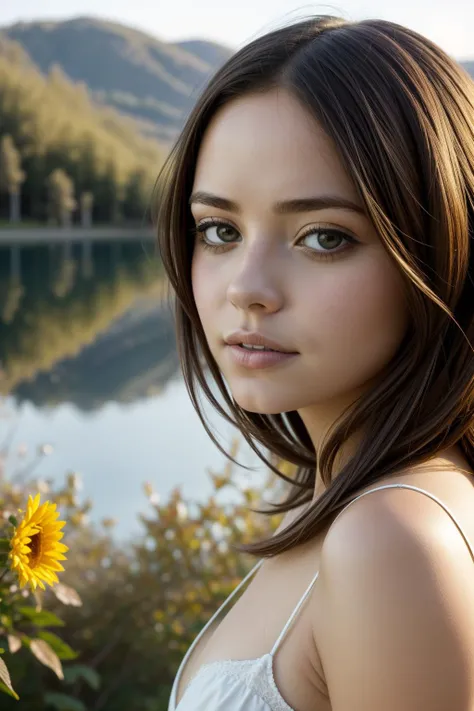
(83, 323)
(88, 363)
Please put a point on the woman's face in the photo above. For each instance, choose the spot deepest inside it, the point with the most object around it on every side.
(316, 280)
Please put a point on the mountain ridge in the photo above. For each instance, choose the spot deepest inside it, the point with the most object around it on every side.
(152, 81)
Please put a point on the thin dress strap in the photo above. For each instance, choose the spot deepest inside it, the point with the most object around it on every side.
(365, 493)
(174, 689)
(293, 615)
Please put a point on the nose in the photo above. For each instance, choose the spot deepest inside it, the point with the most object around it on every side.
(254, 284)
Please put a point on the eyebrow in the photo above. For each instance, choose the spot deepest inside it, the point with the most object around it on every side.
(283, 207)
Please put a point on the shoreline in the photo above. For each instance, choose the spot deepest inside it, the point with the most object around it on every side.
(11, 237)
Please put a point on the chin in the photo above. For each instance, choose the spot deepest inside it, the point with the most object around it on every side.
(263, 410)
(263, 404)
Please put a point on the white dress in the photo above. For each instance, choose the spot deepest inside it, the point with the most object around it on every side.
(249, 685)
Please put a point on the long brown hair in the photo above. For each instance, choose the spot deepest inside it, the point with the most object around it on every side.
(401, 114)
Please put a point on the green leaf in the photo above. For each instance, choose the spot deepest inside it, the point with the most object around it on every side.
(63, 702)
(13, 520)
(47, 656)
(80, 671)
(63, 650)
(6, 621)
(67, 595)
(42, 618)
(5, 681)
(6, 690)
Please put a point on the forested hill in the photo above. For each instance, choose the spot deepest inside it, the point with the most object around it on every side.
(72, 96)
(53, 124)
(153, 81)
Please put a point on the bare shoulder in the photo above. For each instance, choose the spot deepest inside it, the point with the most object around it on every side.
(396, 583)
(396, 520)
(392, 518)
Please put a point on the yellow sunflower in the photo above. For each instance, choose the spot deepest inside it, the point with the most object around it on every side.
(35, 548)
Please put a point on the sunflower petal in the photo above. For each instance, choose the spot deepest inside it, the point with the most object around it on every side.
(35, 550)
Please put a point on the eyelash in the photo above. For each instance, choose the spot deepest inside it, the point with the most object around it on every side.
(200, 229)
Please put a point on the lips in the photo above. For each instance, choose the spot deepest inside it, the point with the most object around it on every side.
(248, 338)
(258, 359)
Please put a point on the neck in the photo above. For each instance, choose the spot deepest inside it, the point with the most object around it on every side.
(319, 421)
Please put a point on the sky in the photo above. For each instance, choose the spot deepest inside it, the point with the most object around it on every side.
(449, 24)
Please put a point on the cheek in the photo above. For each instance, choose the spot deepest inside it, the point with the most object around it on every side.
(361, 316)
(206, 289)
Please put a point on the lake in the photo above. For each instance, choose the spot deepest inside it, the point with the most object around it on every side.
(88, 367)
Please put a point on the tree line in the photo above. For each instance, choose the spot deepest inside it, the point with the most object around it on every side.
(64, 159)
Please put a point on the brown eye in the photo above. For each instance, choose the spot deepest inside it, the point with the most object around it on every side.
(223, 233)
(326, 240)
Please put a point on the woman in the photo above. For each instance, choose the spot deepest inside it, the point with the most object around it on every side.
(316, 222)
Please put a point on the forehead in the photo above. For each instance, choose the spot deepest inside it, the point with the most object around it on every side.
(269, 144)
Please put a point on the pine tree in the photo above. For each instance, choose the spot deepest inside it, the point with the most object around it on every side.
(11, 175)
(61, 201)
